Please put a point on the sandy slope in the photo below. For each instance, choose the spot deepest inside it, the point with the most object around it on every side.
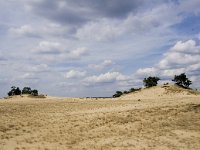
(170, 121)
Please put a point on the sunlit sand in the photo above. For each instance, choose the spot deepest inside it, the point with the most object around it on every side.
(154, 118)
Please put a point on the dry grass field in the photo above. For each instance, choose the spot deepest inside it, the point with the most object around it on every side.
(156, 118)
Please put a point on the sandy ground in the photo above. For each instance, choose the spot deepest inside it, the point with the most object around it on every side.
(126, 123)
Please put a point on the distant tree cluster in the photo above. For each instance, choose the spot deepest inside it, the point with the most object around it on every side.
(26, 90)
(180, 80)
(119, 93)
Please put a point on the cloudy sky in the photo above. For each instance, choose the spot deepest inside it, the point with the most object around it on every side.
(95, 47)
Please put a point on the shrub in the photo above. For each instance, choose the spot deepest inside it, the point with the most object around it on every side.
(151, 81)
(117, 94)
(34, 92)
(14, 91)
(126, 92)
(10, 93)
(26, 90)
(18, 91)
(134, 90)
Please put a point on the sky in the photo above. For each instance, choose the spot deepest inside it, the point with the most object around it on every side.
(79, 48)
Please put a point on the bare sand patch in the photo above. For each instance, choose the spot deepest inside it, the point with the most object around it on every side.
(124, 123)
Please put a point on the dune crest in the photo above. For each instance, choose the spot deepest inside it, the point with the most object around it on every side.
(162, 91)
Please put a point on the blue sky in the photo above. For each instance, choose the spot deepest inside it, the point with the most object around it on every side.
(95, 47)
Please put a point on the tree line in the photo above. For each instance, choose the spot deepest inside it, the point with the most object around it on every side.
(180, 80)
(26, 90)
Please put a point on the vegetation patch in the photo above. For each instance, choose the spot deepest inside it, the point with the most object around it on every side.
(38, 96)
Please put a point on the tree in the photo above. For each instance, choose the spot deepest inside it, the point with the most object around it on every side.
(14, 91)
(18, 91)
(26, 90)
(182, 80)
(151, 81)
(117, 94)
(34, 92)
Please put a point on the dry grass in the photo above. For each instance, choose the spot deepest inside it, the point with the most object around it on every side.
(177, 89)
(38, 96)
(58, 123)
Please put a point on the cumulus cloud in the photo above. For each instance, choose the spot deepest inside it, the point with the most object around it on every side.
(75, 74)
(77, 53)
(39, 31)
(40, 68)
(147, 71)
(47, 47)
(30, 78)
(104, 38)
(109, 77)
(182, 57)
(104, 64)
(186, 47)
(25, 30)
(106, 29)
(56, 51)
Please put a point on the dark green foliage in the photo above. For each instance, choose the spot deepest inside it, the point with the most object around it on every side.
(26, 90)
(133, 90)
(34, 92)
(14, 91)
(117, 94)
(182, 80)
(18, 91)
(151, 81)
(126, 92)
(10, 93)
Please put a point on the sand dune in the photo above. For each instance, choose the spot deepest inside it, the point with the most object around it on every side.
(155, 118)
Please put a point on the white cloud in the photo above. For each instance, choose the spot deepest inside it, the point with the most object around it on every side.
(183, 57)
(44, 30)
(44, 38)
(186, 47)
(38, 68)
(77, 53)
(180, 55)
(108, 77)
(147, 72)
(56, 51)
(75, 74)
(26, 77)
(25, 30)
(48, 47)
(104, 64)
(158, 20)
